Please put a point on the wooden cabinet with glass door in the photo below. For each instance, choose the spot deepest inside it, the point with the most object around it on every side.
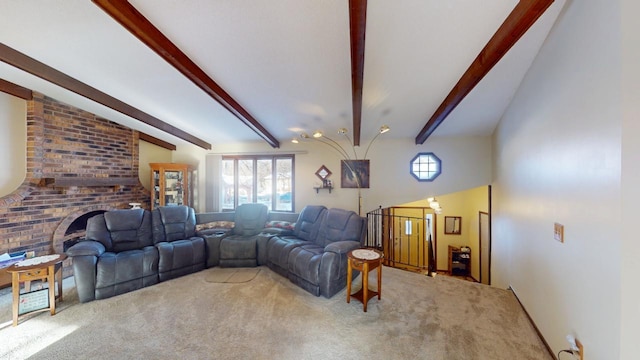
(171, 184)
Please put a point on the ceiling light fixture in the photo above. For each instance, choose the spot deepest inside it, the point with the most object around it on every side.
(435, 205)
(320, 137)
(383, 129)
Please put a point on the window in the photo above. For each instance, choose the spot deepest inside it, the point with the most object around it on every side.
(425, 166)
(257, 179)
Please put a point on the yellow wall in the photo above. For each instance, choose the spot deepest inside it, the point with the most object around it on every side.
(13, 157)
(467, 204)
(184, 154)
(150, 153)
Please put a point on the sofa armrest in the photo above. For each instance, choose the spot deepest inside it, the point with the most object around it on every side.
(341, 247)
(86, 248)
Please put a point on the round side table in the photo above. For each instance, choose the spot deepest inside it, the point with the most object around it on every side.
(43, 268)
(364, 260)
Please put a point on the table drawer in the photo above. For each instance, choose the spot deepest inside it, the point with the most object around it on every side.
(34, 274)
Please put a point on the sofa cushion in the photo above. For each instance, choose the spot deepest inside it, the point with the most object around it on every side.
(130, 229)
(239, 251)
(304, 261)
(121, 230)
(278, 249)
(180, 257)
(340, 225)
(117, 273)
(250, 219)
(172, 223)
(309, 221)
(280, 225)
(216, 225)
(277, 227)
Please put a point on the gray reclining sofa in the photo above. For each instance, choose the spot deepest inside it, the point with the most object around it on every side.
(313, 254)
(125, 250)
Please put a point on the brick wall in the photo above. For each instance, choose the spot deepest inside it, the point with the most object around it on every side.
(67, 142)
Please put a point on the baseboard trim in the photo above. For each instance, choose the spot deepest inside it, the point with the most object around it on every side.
(544, 341)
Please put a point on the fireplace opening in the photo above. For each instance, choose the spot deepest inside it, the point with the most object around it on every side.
(77, 229)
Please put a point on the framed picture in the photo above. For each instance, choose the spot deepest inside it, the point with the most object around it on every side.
(355, 174)
(323, 173)
(452, 225)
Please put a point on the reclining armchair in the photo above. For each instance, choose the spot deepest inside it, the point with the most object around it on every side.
(320, 266)
(117, 255)
(240, 247)
(306, 229)
(180, 251)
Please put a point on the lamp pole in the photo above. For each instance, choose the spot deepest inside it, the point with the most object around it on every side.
(320, 137)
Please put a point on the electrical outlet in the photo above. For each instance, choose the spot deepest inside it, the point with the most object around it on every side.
(580, 350)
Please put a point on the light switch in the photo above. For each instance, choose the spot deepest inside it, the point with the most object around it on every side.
(558, 232)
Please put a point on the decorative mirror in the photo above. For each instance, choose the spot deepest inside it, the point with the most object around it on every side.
(452, 225)
(323, 173)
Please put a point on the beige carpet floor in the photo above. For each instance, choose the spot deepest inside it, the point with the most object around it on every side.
(268, 317)
(231, 275)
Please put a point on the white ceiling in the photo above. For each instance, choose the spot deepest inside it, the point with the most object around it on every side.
(287, 62)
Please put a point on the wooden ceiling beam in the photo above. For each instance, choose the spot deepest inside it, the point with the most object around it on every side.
(358, 28)
(521, 18)
(43, 71)
(15, 90)
(131, 19)
(155, 141)
(26, 94)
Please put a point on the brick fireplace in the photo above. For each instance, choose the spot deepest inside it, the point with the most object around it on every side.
(77, 164)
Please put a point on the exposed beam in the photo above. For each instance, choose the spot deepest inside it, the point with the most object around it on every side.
(26, 94)
(43, 71)
(156, 141)
(130, 18)
(15, 90)
(358, 27)
(523, 16)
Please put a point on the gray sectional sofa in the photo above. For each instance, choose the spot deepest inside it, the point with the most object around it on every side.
(312, 254)
(125, 250)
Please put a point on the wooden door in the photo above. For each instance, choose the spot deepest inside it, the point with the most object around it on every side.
(485, 248)
(408, 246)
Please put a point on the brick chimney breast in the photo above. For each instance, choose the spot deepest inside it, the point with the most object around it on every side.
(65, 142)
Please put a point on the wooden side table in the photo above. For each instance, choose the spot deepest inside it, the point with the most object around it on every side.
(43, 268)
(364, 260)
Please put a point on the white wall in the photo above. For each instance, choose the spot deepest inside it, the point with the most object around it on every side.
(466, 164)
(13, 157)
(558, 159)
(630, 266)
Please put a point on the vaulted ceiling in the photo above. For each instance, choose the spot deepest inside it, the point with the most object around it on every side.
(213, 71)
